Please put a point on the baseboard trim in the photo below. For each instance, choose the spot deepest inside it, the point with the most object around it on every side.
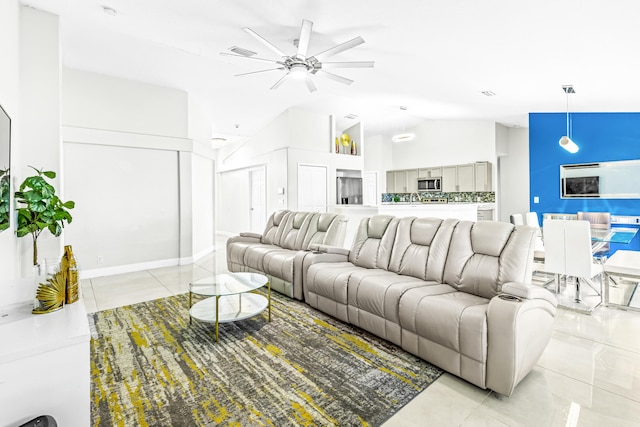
(128, 268)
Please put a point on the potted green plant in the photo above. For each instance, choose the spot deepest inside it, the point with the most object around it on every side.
(4, 199)
(41, 209)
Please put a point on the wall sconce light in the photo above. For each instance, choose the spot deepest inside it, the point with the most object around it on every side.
(566, 142)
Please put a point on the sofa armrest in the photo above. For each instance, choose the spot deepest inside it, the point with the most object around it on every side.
(519, 326)
(250, 234)
(304, 259)
(529, 291)
(336, 250)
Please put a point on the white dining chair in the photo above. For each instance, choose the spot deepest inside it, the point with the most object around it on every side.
(516, 219)
(579, 258)
(598, 220)
(554, 245)
(531, 219)
(568, 254)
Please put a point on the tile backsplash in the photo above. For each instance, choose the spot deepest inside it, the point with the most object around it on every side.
(462, 197)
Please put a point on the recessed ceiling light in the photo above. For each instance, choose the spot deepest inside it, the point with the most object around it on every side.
(109, 10)
(403, 107)
(350, 116)
(242, 51)
(488, 93)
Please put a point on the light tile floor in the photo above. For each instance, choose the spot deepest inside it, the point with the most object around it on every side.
(589, 375)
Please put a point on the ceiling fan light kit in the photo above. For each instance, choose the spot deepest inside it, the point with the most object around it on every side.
(300, 66)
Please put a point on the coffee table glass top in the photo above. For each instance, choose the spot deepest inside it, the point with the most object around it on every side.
(228, 284)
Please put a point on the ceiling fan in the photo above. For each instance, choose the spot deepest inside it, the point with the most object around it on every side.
(300, 66)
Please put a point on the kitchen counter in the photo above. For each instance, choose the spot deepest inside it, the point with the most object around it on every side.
(463, 211)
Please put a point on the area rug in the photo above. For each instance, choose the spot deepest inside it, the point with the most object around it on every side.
(151, 367)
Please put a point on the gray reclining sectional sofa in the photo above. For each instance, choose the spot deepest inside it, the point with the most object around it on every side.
(457, 294)
(286, 234)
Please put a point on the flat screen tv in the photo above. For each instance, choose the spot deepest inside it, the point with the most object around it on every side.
(583, 186)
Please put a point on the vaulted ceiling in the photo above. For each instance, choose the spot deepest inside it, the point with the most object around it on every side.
(434, 57)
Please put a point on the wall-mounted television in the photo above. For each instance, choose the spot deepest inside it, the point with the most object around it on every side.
(583, 186)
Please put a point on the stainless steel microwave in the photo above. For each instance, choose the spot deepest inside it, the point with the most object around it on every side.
(429, 184)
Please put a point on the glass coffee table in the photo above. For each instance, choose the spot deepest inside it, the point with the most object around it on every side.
(232, 297)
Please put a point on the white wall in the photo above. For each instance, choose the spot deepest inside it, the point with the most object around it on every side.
(10, 101)
(514, 175)
(203, 217)
(126, 204)
(40, 116)
(447, 142)
(128, 167)
(97, 101)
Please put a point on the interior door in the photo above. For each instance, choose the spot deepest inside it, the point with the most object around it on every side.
(257, 199)
(312, 188)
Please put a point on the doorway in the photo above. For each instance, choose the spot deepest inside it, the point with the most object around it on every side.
(257, 199)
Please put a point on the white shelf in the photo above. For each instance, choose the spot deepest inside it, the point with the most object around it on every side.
(231, 308)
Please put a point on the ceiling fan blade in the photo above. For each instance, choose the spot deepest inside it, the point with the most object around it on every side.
(259, 71)
(264, 41)
(305, 36)
(309, 83)
(355, 64)
(335, 77)
(250, 57)
(279, 82)
(339, 48)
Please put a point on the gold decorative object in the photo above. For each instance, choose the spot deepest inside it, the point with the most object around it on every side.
(51, 294)
(345, 139)
(70, 267)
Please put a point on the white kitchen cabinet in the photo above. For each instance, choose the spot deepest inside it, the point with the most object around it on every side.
(449, 179)
(400, 181)
(483, 176)
(430, 172)
(391, 182)
(466, 177)
(412, 181)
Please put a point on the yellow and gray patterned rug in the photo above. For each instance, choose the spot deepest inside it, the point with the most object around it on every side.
(150, 367)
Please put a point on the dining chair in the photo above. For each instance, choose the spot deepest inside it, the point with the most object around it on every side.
(554, 244)
(579, 261)
(531, 219)
(598, 220)
(516, 219)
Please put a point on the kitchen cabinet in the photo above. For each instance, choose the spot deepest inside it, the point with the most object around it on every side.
(483, 176)
(400, 178)
(412, 180)
(391, 182)
(449, 179)
(466, 177)
(430, 172)
(469, 177)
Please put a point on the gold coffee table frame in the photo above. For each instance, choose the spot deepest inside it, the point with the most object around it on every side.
(231, 297)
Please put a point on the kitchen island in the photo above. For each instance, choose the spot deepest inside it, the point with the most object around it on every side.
(355, 213)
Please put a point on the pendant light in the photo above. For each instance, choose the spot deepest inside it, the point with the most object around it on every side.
(403, 136)
(566, 142)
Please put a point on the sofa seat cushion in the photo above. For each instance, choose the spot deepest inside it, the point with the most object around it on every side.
(448, 329)
(279, 263)
(254, 255)
(373, 301)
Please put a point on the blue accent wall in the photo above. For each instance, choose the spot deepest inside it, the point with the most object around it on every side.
(600, 136)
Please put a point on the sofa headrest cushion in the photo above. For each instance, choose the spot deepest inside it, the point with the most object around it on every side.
(278, 216)
(378, 225)
(325, 220)
(490, 237)
(298, 219)
(423, 230)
